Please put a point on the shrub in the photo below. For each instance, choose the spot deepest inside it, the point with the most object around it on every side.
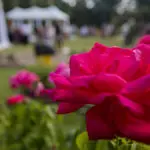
(34, 126)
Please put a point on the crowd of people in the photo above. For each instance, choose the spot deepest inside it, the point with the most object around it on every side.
(48, 34)
(52, 34)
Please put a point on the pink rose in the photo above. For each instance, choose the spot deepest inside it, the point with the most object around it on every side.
(13, 82)
(115, 81)
(23, 78)
(62, 69)
(17, 99)
(144, 40)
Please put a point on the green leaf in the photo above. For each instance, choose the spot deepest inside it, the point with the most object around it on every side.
(140, 146)
(82, 141)
(104, 145)
(92, 145)
(60, 118)
(125, 147)
(134, 146)
(49, 112)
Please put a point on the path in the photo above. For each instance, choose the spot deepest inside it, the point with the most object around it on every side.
(25, 58)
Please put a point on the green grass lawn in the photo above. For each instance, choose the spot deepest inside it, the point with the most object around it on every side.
(83, 44)
(4, 86)
(77, 45)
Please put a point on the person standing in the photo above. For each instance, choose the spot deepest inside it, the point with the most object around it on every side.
(26, 31)
(43, 44)
(59, 35)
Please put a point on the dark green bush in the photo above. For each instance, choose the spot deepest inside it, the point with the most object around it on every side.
(35, 126)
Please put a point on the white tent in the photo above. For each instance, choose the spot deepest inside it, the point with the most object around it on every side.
(16, 14)
(4, 42)
(57, 14)
(37, 13)
(23, 14)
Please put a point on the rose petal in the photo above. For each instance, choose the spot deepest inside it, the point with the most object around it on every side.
(144, 40)
(137, 88)
(62, 70)
(136, 129)
(123, 63)
(97, 128)
(79, 64)
(81, 81)
(132, 106)
(108, 83)
(60, 95)
(65, 108)
(16, 99)
(90, 62)
(59, 80)
(144, 52)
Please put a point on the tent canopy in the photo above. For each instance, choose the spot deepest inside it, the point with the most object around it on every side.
(15, 13)
(57, 13)
(37, 13)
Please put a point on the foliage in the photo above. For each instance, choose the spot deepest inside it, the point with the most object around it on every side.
(34, 126)
(28, 126)
(105, 9)
(80, 14)
(4, 87)
(63, 6)
(143, 2)
(119, 144)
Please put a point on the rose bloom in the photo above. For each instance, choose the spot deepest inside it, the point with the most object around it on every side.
(116, 82)
(62, 69)
(23, 78)
(17, 99)
(144, 40)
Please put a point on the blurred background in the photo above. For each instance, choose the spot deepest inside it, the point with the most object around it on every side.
(39, 34)
(64, 27)
(71, 18)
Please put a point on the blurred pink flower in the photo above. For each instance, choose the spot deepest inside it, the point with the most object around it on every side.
(39, 89)
(115, 81)
(63, 69)
(23, 78)
(13, 100)
(144, 40)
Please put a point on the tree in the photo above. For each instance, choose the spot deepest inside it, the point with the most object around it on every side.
(24, 3)
(8, 4)
(63, 6)
(104, 10)
(141, 3)
(142, 12)
(80, 13)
